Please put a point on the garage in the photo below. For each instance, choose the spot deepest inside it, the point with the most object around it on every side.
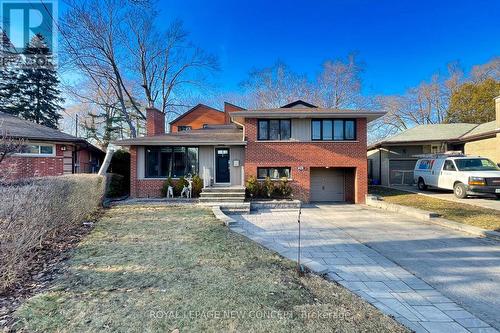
(328, 185)
(401, 171)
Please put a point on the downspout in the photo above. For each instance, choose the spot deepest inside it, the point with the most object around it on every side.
(380, 165)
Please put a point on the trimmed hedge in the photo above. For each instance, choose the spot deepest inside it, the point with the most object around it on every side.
(39, 210)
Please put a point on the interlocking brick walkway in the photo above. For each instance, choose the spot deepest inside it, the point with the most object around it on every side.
(364, 271)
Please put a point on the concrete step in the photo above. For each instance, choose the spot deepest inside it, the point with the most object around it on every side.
(222, 194)
(229, 207)
(222, 199)
(223, 190)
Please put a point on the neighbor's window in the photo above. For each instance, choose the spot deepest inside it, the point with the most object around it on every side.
(274, 129)
(38, 149)
(333, 129)
(175, 162)
(183, 128)
(273, 173)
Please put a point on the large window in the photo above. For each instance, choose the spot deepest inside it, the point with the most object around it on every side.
(274, 129)
(273, 173)
(183, 128)
(169, 161)
(38, 150)
(333, 129)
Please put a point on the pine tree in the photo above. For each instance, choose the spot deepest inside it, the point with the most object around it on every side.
(9, 65)
(37, 97)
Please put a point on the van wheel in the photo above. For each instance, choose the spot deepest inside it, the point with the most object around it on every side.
(460, 191)
(421, 185)
(498, 196)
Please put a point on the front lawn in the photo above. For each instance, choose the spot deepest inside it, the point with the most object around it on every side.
(476, 216)
(158, 268)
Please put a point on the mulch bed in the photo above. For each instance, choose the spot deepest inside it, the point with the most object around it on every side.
(46, 265)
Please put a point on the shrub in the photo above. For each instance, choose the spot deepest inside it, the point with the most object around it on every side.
(252, 187)
(179, 185)
(197, 186)
(168, 182)
(267, 187)
(284, 189)
(39, 210)
(120, 164)
(117, 186)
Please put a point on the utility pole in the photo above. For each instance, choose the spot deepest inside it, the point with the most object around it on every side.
(76, 125)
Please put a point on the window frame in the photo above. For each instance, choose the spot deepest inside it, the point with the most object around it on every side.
(185, 128)
(146, 176)
(39, 154)
(344, 122)
(269, 129)
(268, 169)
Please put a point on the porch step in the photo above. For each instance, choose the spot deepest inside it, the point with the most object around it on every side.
(222, 194)
(217, 189)
(229, 207)
(222, 199)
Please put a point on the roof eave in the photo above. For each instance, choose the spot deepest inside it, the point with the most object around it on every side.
(370, 116)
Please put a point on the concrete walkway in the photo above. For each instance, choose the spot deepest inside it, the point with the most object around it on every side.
(377, 277)
(490, 202)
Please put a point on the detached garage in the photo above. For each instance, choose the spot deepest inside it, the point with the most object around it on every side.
(332, 185)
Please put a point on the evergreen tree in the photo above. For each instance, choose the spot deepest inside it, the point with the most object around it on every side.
(37, 96)
(9, 64)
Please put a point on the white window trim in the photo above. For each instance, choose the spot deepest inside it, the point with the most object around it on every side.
(39, 154)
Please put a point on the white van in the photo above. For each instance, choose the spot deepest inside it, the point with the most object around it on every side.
(462, 174)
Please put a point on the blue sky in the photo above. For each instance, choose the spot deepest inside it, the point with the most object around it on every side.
(400, 42)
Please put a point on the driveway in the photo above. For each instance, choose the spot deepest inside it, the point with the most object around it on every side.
(490, 202)
(430, 278)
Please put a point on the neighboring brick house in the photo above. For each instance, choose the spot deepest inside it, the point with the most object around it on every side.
(321, 151)
(391, 161)
(198, 117)
(47, 152)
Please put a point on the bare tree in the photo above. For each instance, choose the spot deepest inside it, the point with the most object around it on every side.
(275, 86)
(491, 69)
(9, 145)
(94, 38)
(166, 62)
(339, 84)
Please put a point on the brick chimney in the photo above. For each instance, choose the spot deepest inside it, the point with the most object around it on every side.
(228, 108)
(155, 122)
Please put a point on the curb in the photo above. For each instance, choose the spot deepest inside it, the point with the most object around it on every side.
(219, 214)
(374, 201)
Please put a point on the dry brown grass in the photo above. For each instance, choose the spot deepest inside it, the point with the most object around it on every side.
(147, 268)
(455, 211)
(37, 210)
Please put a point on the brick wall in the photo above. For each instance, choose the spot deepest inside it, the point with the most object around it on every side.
(301, 156)
(21, 167)
(228, 109)
(197, 117)
(142, 188)
(155, 122)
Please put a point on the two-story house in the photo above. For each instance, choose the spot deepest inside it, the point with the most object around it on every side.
(321, 151)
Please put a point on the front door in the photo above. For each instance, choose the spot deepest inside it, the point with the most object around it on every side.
(222, 165)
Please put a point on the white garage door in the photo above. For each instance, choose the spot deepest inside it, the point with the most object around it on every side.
(327, 185)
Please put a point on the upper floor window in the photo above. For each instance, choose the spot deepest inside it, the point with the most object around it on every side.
(274, 129)
(333, 129)
(183, 128)
(38, 150)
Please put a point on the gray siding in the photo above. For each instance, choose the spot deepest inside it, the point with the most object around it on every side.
(301, 129)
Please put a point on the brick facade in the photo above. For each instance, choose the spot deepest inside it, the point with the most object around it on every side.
(228, 109)
(21, 167)
(197, 117)
(142, 188)
(302, 156)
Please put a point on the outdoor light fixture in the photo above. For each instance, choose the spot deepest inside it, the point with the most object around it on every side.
(63, 147)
